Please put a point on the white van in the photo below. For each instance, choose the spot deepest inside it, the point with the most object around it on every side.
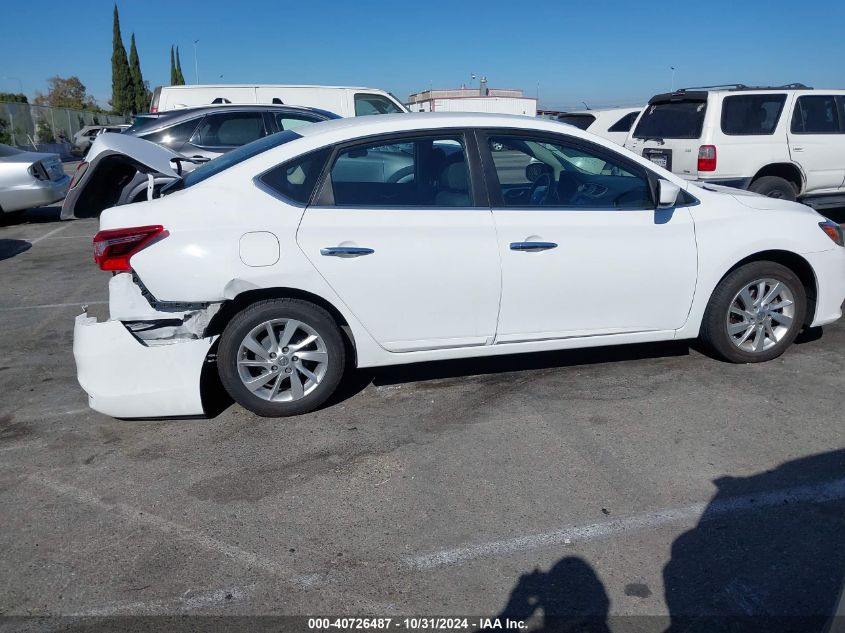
(783, 142)
(342, 100)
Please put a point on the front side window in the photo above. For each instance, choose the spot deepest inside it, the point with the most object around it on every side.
(816, 114)
(624, 124)
(366, 104)
(538, 172)
(175, 135)
(751, 115)
(229, 129)
(427, 171)
(672, 119)
(295, 179)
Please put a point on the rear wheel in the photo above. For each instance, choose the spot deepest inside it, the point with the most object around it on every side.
(281, 357)
(774, 187)
(755, 313)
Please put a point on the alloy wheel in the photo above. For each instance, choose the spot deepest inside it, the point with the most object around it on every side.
(760, 315)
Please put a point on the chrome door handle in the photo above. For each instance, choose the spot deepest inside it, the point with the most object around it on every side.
(797, 149)
(345, 251)
(532, 247)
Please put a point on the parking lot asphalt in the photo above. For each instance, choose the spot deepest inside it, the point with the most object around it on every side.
(638, 481)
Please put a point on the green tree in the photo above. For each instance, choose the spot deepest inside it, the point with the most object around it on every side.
(66, 92)
(13, 97)
(44, 133)
(5, 137)
(174, 79)
(139, 88)
(122, 93)
(179, 76)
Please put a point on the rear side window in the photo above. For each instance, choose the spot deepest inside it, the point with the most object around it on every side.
(295, 180)
(817, 114)
(751, 115)
(366, 104)
(428, 171)
(175, 135)
(624, 124)
(581, 121)
(229, 129)
(672, 119)
(292, 121)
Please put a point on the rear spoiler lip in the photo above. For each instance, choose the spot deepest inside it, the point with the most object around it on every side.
(679, 95)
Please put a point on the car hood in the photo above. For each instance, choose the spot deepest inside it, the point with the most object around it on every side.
(150, 158)
(755, 200)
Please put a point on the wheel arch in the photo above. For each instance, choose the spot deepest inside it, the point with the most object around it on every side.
(788, 171)
(244, 299)
(796, 263)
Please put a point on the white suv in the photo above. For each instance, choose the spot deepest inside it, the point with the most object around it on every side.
(786, 142)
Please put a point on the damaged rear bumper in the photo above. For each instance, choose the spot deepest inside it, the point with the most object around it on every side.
(127, 378)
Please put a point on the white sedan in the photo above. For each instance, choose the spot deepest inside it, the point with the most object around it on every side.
(398, 239)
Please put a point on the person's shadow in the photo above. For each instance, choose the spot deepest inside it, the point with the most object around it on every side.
(767, 554)
(570, 597)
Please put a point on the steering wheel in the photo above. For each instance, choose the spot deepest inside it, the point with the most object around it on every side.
(537, 197)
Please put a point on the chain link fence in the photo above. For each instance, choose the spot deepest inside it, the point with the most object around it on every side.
(44, 128)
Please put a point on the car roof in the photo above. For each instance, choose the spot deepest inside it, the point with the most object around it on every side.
(601, 110)
(261, 107)
(201, 86)
(355, 127)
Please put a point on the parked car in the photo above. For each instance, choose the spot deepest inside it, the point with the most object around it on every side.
(83, 138)
(30, 179)
(343, 100)
(193, 135)
(785, 142)
(613, 124)
(364, 242)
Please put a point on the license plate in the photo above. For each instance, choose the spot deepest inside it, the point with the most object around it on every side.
(660, 157)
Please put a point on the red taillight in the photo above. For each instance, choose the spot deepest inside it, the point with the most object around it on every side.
(114, 247)
(153, 109)
(707, 158)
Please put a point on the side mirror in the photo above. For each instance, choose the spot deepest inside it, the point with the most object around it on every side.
(667, 194)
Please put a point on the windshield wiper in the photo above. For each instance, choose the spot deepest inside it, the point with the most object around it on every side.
(651, 138)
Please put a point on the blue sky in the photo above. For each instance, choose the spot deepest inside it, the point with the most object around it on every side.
(604, 53)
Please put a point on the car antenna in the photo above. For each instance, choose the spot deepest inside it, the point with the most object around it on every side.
(586, 106)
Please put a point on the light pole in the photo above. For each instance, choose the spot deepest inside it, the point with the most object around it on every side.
(196, 65)
(673, 78)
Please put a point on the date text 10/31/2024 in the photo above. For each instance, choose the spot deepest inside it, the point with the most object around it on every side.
(416, 624)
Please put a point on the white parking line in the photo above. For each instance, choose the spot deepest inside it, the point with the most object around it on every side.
(134, 515)
(78, 304)
(817, 493)
(48, 234)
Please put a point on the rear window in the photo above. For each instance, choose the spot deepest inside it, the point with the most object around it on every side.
(672, 119)
(142, 122)
(230, 159)
(581, 121)
(751, 115)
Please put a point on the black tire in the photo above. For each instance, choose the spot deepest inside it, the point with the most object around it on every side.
(714, 327)
(774, 187)
(261, 312)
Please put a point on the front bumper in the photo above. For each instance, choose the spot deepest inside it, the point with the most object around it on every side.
(830, 278)
(36, 193)
(125, 378)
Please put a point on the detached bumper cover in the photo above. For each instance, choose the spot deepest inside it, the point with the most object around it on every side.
(126, 379)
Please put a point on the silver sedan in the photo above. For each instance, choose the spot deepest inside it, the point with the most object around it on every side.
(30, 179)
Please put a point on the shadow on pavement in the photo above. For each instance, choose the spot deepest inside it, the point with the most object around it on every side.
(766, 555)
(10, 248)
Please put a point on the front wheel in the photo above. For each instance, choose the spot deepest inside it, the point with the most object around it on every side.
(755, 313)
(281, 357)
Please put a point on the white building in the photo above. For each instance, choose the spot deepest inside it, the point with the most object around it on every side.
(482, 99)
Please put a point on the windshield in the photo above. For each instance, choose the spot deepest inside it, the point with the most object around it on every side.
(581, 121)
(141, 122)
(230, 159)
(675, 119)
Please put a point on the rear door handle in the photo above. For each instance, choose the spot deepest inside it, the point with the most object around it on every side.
(532, 247)
(345, 251)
